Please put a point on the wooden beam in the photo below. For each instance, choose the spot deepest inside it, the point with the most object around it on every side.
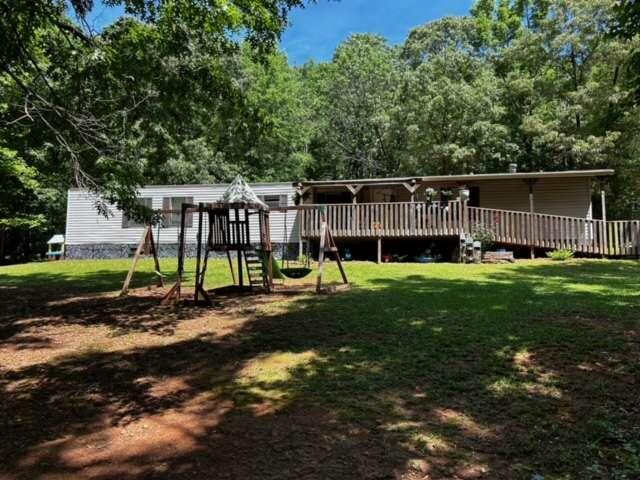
(154, 252)
(198, 253)
(411, 187)
(605, 240)
(239, 249)
(354, 189)
(323, 239)
(136, 257)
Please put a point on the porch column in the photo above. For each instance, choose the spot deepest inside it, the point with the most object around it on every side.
(353, 223)
(412, 186)
(354, 189)
(531, 182)
(379, 250)
(301, 191)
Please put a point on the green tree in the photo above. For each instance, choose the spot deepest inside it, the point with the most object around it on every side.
(71, 82)
(626, 26)
(451, 117)
(357, 92)
(275, 144)
(20, 188)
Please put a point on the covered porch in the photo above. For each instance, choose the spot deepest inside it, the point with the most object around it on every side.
(546, 210)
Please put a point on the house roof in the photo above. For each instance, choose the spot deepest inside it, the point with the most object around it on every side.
(57, 238)
(462, 178)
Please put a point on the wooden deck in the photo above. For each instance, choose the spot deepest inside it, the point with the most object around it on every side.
(451, 219)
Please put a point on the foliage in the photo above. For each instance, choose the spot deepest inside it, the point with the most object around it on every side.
(485, 234)
(356, 92)
(19, 200)
(561, 254)
(627, 26)
(194, 92)
(157, 97)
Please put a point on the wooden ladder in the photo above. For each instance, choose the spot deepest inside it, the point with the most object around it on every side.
(255, 269)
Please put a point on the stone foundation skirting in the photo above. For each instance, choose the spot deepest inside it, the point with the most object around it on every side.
(168, 250)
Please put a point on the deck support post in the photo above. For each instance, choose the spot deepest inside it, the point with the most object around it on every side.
(605, 240)
(379, 261)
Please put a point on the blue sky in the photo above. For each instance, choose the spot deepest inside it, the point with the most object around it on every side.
(316, 30)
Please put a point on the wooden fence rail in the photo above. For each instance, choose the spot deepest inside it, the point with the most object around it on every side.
(406, 219)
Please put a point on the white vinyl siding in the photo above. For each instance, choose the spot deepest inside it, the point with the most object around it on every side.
(132, 223)
(86, 226)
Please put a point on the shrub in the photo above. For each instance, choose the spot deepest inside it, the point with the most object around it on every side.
(485, 235)
(560, 255)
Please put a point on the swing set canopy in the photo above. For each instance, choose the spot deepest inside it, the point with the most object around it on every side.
(240, 195)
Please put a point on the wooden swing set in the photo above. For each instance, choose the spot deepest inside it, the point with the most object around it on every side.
(226, 228)
(146, 246)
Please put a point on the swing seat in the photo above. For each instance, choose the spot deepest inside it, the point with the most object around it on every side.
(298, 272)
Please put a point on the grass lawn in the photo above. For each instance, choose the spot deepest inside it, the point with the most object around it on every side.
(525, 371)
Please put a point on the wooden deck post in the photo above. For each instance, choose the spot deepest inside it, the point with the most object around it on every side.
(379, 250)
(605, 240)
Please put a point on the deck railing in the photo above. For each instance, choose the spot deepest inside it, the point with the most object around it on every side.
(406, 219)
(401, 219)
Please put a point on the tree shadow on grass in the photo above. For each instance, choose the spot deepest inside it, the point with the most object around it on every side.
(57, 285)
(502, 376)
